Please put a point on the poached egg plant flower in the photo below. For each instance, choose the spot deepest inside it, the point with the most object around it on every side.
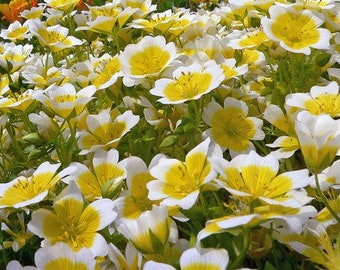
(231, 128)
(296, 30)
(319, 139)
(178, 183)
(26, 190)
(188, 83)
(73, 222)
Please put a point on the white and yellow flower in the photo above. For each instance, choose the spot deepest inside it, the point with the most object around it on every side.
(104, 180)
(105, 130)
(134, 201)
(149, 233)
(319, 139)
(296, 30)
(249, 177)
(15, 56)
(47, 127)
(320, 100)
(61, 256)
(250, 39)
(204, 258)
(73, 222)
(41, 72)
(131, 260)
(15, 32)
(146, 59)
(64, 100)
(143, 6)
(106, 71)
(23, 191)
(178, 183)
(54, 37)
(63, 5)
(231, 127)
(319, 247)
(289, 143)
(17, 102)
(188, 83)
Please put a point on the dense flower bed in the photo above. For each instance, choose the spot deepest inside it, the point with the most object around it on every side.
(198, 137)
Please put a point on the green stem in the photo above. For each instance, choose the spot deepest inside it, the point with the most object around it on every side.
(237, 263)
(324, 199)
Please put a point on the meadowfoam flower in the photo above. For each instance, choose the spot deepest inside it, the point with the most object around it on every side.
(204, 258)
(320, 248)
(17, 102)
(178, 183)
(131, 260)
(106, 72)
(64, 100)
(319, 139)
(230, 70)
(250, 40)
(63, 5)
(105, 130)
(41, 72)
(150, 232)
(320, 100)
(287, 144)
(296, 30)
(134, 201)
(196, 259)
(47, 127)
(14, 56)
(23, 191)
(146, 59)
(15, 32)
(73, 222)
(329, 177)
(143, 6)
(325, 217)
(54, 37)
(230, 126)
(188, 83)
(249, 177)
(106, 178)
(33, 13)
(61, 256)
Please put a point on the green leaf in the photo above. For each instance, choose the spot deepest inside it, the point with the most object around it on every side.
(269, 266)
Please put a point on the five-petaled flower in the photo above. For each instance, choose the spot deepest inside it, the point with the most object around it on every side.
(73, 222)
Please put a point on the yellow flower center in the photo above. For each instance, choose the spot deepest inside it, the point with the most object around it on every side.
(151, 60)
(188, 86)
(232, 129)
(27, 188)
(258, 181)
(106, 71)
(72, 224)
(65, 98)
(253, 39)
(51, 37)
(18, 33)
(296, 30)
(290, 144)
(326, 103)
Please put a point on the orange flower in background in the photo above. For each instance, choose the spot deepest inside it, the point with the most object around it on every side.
(82, 5)
(11, 12)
